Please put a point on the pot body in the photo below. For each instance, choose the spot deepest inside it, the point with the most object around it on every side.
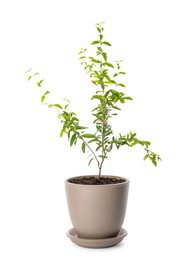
(97, 211)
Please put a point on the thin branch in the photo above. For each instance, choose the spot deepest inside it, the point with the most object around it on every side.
(79, 135)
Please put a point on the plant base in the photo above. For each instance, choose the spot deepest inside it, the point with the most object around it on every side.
(96, 243)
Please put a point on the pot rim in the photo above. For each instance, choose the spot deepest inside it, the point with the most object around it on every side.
(95, 185)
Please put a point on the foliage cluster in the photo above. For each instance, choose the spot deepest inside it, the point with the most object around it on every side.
(105, 76)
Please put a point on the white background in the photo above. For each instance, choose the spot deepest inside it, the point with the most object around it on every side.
(154, 39)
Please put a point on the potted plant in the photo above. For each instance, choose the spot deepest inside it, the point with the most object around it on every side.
(97, 203)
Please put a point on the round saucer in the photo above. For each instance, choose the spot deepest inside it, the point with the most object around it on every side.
(96, 243)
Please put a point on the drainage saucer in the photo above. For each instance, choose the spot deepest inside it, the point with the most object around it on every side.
(96, 243)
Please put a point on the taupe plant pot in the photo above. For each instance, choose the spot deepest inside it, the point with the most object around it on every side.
(97, 211)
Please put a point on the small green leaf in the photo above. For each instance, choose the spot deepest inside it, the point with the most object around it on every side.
(42, 98)
(133, 144)
(92, 140)
(73, 139)
(29, 70)
(109, 65)
(122, 101)
(147, 143)
(39, 82)
(99, 146)
(95, 42)
(99, 30)
(154, 162)
(69, 132)
(90, 161)
(100, 97)
(145, 157)
(75, 119)
(100, 37)
(62, 131)
(122, 85)
(29, 78)
(112, 82)
(83, 147)
(81, 127)
(104, 56)
(115, 107)
(82, 57)
(107, 43)
(94, 60)
(121, 72)
(128, 98)
(88, 136)
(102, 156)
(57, 105)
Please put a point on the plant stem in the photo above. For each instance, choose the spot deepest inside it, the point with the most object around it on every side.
(103, 122)
(89, 149)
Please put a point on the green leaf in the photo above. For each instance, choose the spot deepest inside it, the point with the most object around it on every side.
(57, 105)
(82, 57)
(99, 30)
(107, 43)
(112, 82)
(42, 98)
(109, 65)
(92, 140)
(47, 92)
(122, 101)
(100, 37)
(75, 119)
(95, 42)
(100, 97)
(94, 60)
(107, 93)
(62, 131)
(99, 146)
(69, 132)
(147, 143)
(128, 98)
(107, 77)
(29, 70)
(82, 51)
(122, 72)
(39, 82)
(133, 144)
(154, 162)
(29, 78)
(145, 157)
(81, 127)
(102, 156)
(88, 136)
(104, 56)
(115, 107)
(90, 161)
(83, 147)
(73, 139)
(122, 85)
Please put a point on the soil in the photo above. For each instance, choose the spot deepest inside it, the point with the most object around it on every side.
(94, 180)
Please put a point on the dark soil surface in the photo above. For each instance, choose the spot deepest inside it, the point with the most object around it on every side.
(93, 180)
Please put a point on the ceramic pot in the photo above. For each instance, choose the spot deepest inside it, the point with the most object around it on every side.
(97, 211)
